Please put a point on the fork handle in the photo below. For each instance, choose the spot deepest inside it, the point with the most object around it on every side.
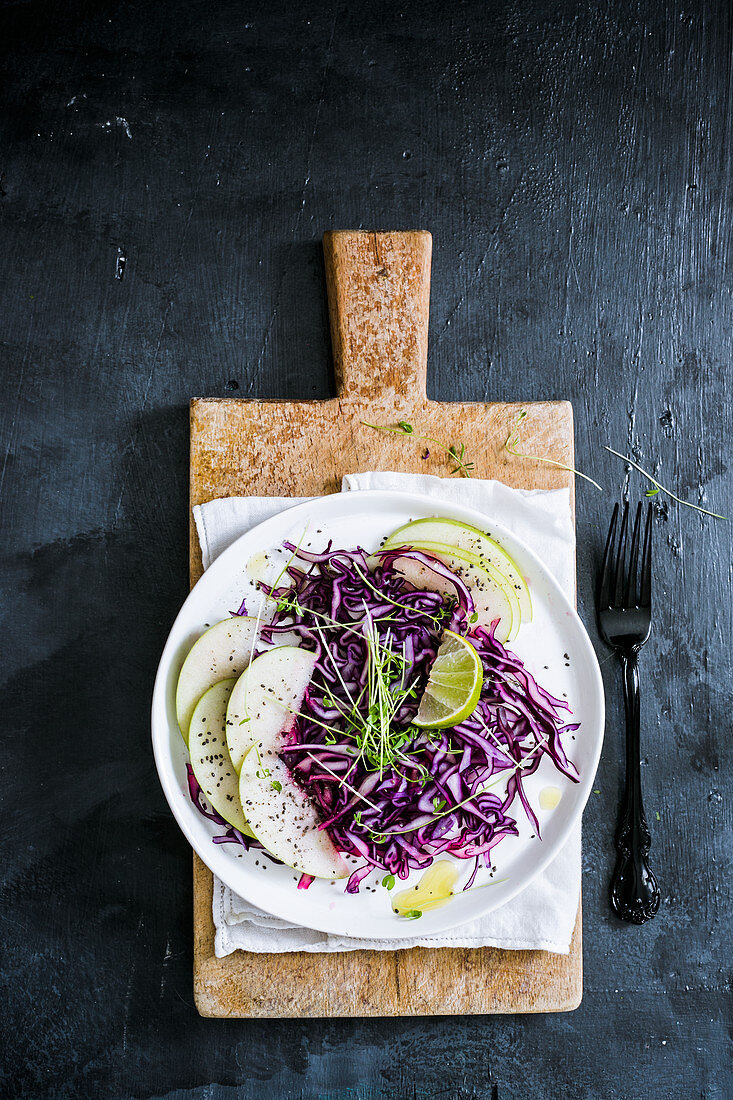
(635, 893)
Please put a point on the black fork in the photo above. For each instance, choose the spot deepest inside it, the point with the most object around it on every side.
(625, 619)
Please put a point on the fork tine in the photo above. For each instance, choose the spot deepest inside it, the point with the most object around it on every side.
(618, 582)
(604, 592)
(645, 599)
(631, 589)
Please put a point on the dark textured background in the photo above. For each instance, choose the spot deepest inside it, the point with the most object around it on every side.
(573, 164)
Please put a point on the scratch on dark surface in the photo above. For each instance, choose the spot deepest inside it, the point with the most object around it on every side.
(571, 259)
(571, 231)
(166, 314)
(317, 117)
(169, 306)
(478, 269)
(634, 448)
(128, 1000)
(11, 432)
(166, 959)
(257, 372)
(570, 267)
(129, 992)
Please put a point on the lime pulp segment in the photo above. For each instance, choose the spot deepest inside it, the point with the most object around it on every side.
(454, 685)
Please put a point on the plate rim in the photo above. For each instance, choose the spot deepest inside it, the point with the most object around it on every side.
(160, 729)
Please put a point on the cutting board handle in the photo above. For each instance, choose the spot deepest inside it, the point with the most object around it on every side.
(378, 298)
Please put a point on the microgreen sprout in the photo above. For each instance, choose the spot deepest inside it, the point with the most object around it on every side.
(663, 488)
(462, 466)
(380, 743)
(388, 882)
(483, 885)
(262, 772)
(457, 452)
(369, 719)
(512, 443)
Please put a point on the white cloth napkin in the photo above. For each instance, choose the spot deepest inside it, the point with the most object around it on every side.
(542, 916)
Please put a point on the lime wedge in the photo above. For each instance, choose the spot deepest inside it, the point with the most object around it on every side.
(454, 684)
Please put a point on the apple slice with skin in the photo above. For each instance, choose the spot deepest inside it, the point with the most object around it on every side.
(265, 698)
(210, 759)
(462, 536)
(458, 560)
(222, 651)
(519, 597)
(283, 818)
(491, 600)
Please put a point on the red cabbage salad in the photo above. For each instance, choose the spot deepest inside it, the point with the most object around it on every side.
(353, 754)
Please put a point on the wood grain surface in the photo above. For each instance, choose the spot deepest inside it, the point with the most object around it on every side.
(378, 292)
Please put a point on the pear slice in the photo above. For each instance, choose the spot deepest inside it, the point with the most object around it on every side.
(283, 818)
(210, 759)
(265, 698)
(491, 599)
(462, 536)
(223, 651)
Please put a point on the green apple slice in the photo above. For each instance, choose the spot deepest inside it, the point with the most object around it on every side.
(210, 759)
(462, 536)
(283, 818)
(265, 698)
(223, 651)
(491, 600)
(458, 560)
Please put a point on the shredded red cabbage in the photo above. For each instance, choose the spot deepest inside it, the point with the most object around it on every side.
(435, 793)
(433, 798)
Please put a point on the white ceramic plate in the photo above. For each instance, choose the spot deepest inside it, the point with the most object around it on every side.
(363, 518)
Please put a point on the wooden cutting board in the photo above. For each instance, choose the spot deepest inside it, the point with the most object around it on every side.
(378, 290)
